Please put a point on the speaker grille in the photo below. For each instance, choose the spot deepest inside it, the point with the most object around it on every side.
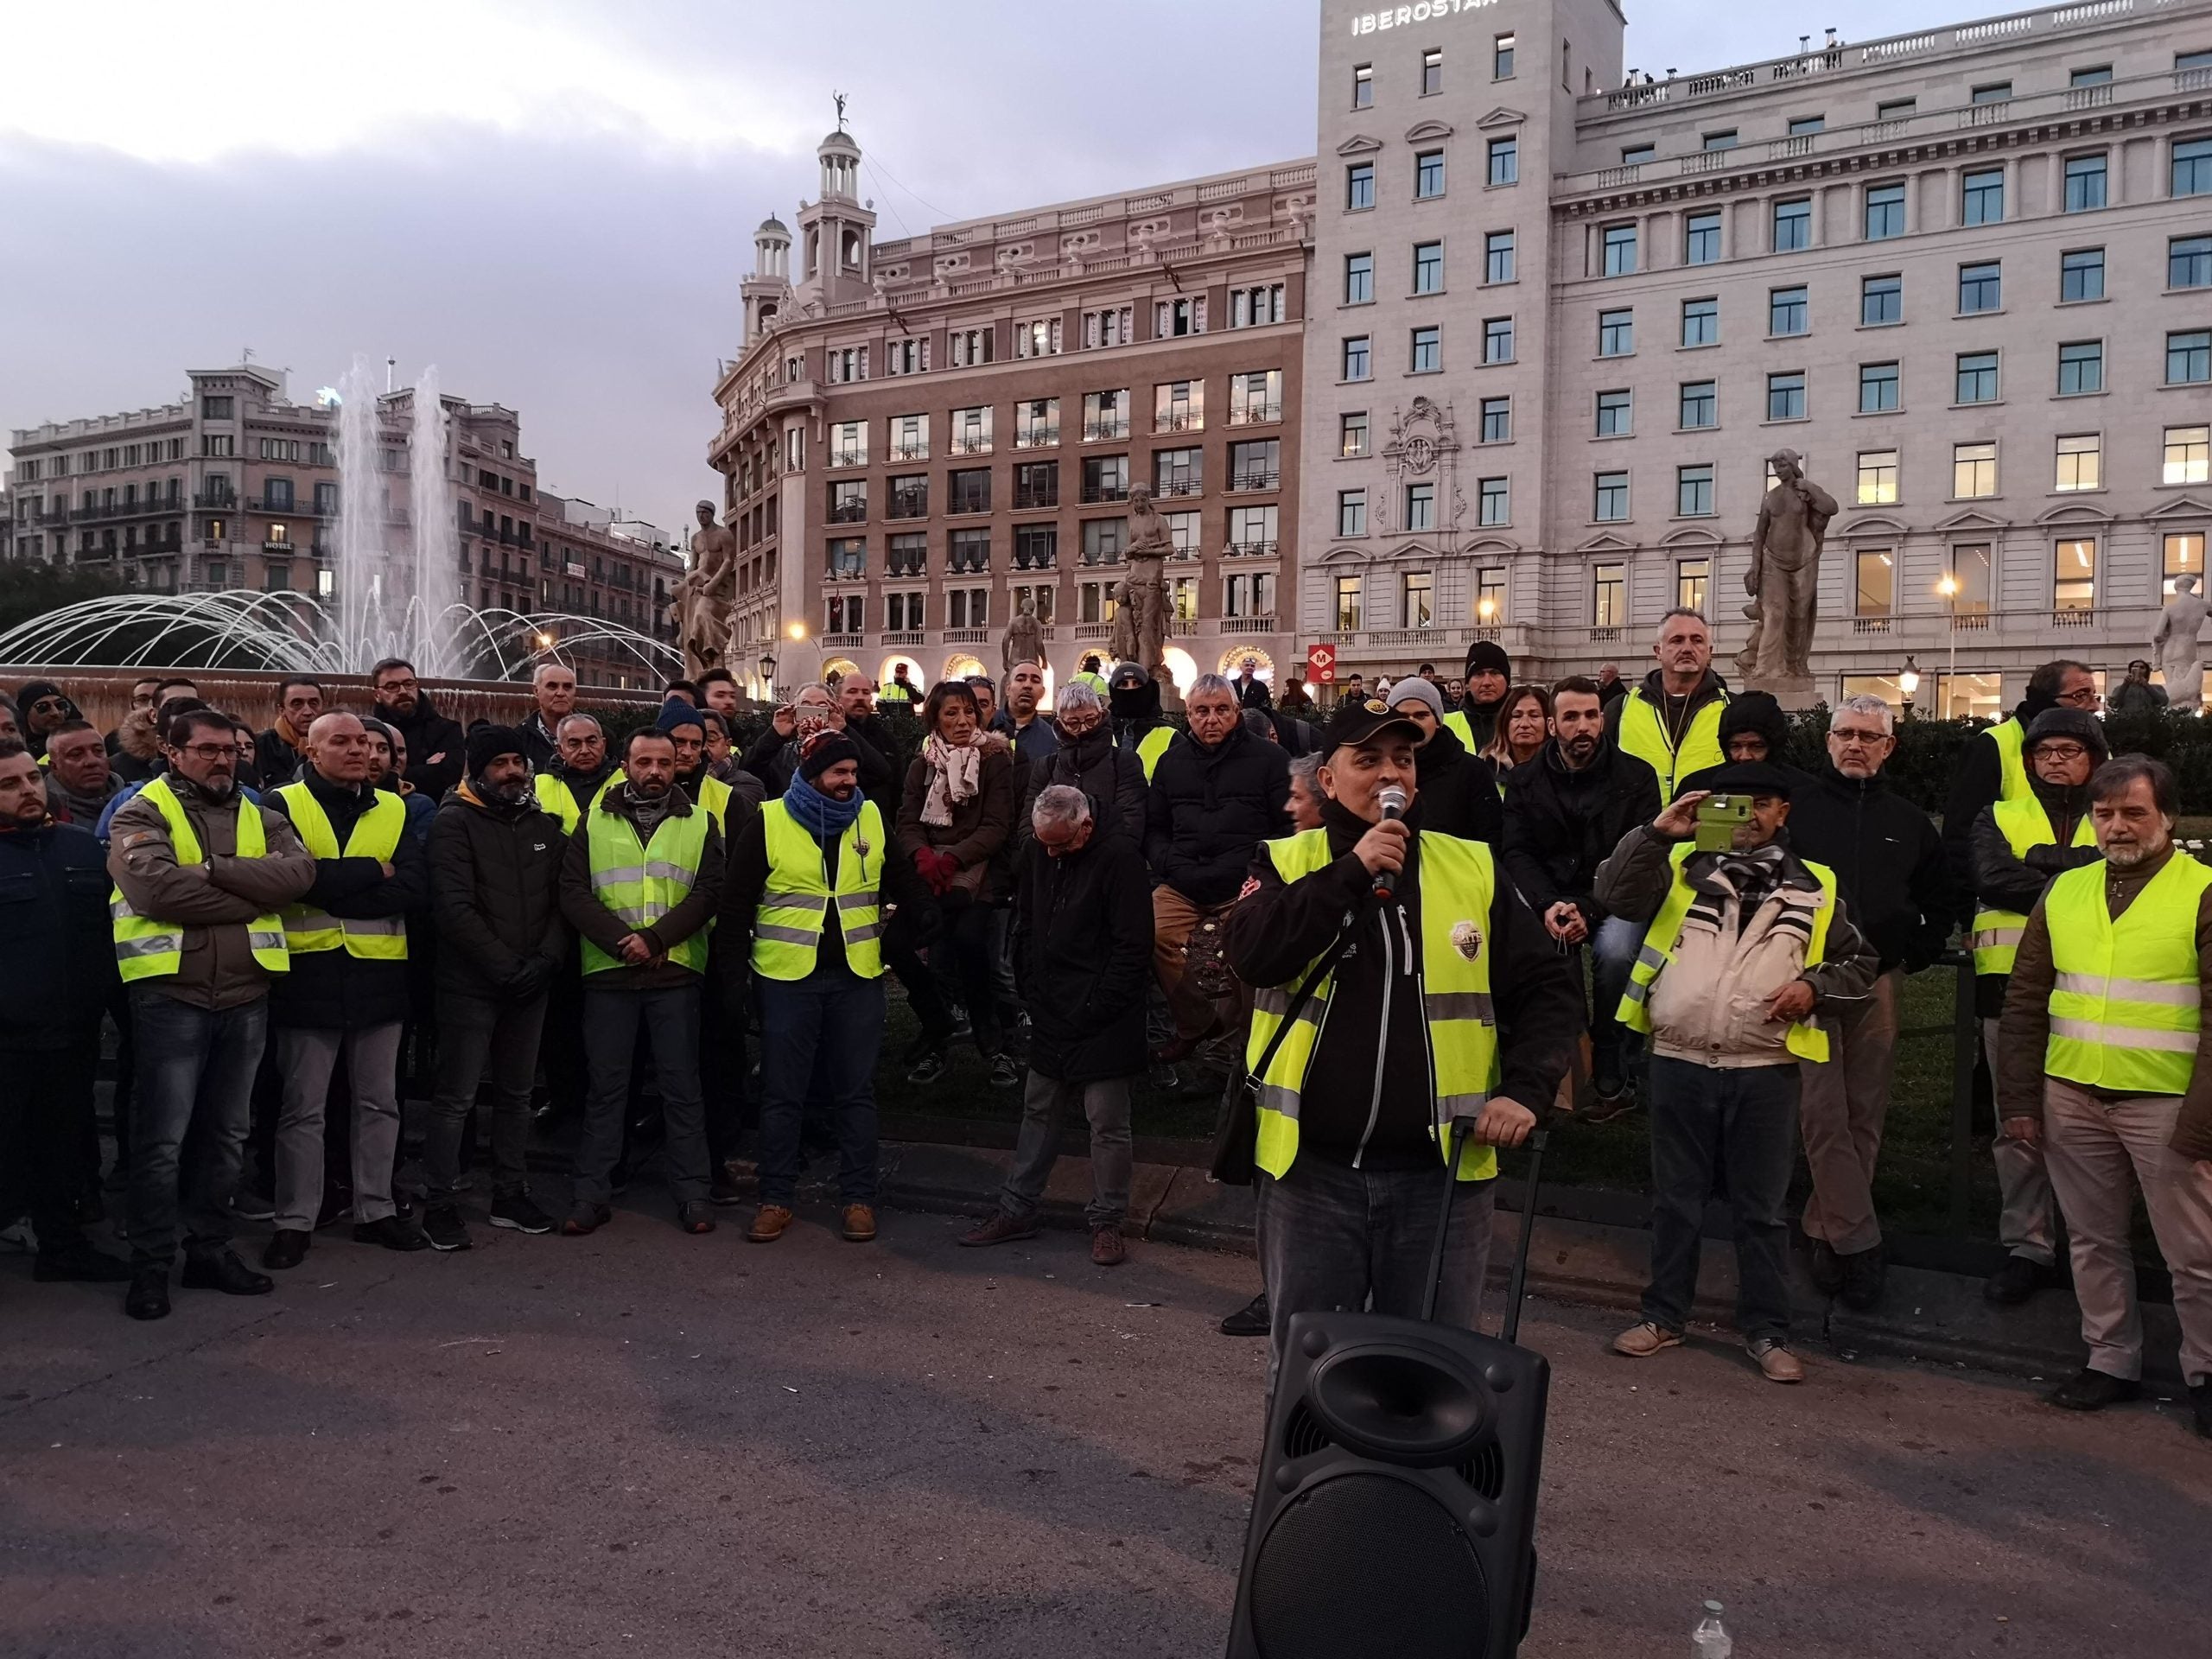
(1485, 1471)
(1367, 1563)
(1303, 1435)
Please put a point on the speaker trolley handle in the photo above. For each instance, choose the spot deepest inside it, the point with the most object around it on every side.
(1537, 1141)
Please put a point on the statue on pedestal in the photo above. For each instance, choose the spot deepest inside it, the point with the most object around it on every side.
(700, 604)
(2174, 643)
(1140, 634)
(1024, 641)
(1784, 582)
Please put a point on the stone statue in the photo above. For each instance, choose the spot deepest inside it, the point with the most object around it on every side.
(1784, 582)
(2174, 643)
(1140, 634)
(1025, 639)
(700, 604)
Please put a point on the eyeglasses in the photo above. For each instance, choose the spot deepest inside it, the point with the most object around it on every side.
(2059, 751)
(1847, 737)
(1076, 725)
(209, 751)
(2081, 697)
(407, 685)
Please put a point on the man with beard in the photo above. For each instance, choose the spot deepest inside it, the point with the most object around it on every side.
(2102, 1062)
(1565, 812)
(553, 686)
(277, 751)
(79, 782)
(1459, 790)
(495, 878)
(773, 757)
(1672, 721)
(435, 744)
(200, 875)
(1489, 680)
(43, 707)
(1086, 756)
(718, 687)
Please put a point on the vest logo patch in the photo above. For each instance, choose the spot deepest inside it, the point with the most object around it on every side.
(1467, 940)
(1251, 886)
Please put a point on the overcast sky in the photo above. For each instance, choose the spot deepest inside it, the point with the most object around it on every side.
(553, 201)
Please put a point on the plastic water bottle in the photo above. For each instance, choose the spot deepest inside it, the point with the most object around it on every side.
(1710, 1640)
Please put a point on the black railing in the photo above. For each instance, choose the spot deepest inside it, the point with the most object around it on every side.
(1189, 421)
(1094, 494)
(221, 502)
(1253, 550)
(1186, 485)
(1104, 431)
(1256, 478)
(968, 504)
(909, 503)
(1254, 414)
(1028, 496)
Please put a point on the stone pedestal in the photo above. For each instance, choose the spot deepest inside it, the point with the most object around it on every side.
(1794, 692)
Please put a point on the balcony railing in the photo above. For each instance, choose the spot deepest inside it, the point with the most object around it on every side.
(1250, 623)
(1254, 414)
(223, 501)
(1105, 431)
(908, 503)
(903, 637)
(967, 636)
(1256, 478)
(1188, 421)
(910, 452)
(844, 570)
(970, 445)
(1035, 561)
(849, 513)
(839, 641)
(1185, 484)
(968, 504)
(848, 456)
(1041, 438)
(1252, 550)
(1092, 630)
(1027, 497)
(1095, 493)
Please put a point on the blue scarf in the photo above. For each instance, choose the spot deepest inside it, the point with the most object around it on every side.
(823, 816)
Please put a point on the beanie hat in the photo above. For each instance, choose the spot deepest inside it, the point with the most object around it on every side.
(487, 743)
(1756, 711)
(824, 750)
(1488, 656)
(2076, 723)
(1414, 689)
(676, 712)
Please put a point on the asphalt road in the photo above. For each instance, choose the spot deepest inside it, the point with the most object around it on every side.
(645, 1443)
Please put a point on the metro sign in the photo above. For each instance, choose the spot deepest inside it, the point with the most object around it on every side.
(1404, 16)
(1321, 664)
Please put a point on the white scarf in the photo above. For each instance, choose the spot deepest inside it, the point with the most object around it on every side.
(954, 774)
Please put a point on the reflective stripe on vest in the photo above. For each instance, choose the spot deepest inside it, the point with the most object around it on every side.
(1644, 734)
(787, 926)
(2137, 1034)
(1458, 879)
(1805, 1039)
(2025, 826)
(1151, 746)
(642, 883)
(376, 834)
(147, 949)
(2010, 738)
(554, 796)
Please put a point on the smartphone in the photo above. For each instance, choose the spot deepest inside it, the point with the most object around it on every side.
(1717, 818)
(813, 721)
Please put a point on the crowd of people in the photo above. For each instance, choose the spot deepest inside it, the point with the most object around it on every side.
(1391, 938)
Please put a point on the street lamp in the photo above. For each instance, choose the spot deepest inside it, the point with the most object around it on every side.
(1949, 589)
(1486, 610)
(768, 674)
(1909, 683)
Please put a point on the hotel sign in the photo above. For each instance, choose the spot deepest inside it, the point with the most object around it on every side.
(1403, 16)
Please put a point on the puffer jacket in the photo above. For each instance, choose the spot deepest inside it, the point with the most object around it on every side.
(495, 881)
(1708, 1004)
(1112, 777)
(57, 951)
(1209, 808)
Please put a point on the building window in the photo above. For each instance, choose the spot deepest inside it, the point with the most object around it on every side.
(1103, 540)
(2081, 457)
(2188, 263)
(1804, 126)
(2081, 274)
(1428, 173)
(216, 409)
(1251, 530)
(1505, 161)
(1787, 311)
(2073, 584)
(1875, 591)
(1362, 86)
(1785, 396)
(2189, 357)
(1036, 547)
(848, 444)
(1428, 267)
(1358, 365)
(906, 555)
(1724, 139)
(1693, 583)
(1255, 396)
(1609, 596)
(1256, 305)
(1701, 238)
(1636, 155)
(1039, 596)
(1178, 406)
(1498, 257)
(1417, 597)
(1881, 300)
(1877, 478)
(1616, 334)
(1878, 388)
(971, 431)
(1359, 278)
(1701, 321)
(968, 490)
(846, 363)
(1490, 596)
(847, 503)
(1105, 478)
(2080, 367)
(1501, 58)
(1693, 490)
(2188, 455)
(1036, 423)
(1973, 471)
(1359, 186)
(1428, 351)
(1497, 340)
(1609, 502)
(1970, 579)
(1095, 602)
(2192, 169)
(1976, 379)
(1178, 472)
(1793, 224)
(1981, 199)
(1885, 212)
(1613, 414)
(1040, 337)
(1619, 250)
(2182, 554)
(1174, 318)
(1347, 604)
(1494, 501)
(1352, 512)
(1432, 72)
(2085, 182)
(910, 493)
(1995, 92)
(1115, 325)
(1496, 420)
(1352, 434)
(1246, 594)
(1700, 405)
(1420, 508)
(1982, 286)
(848, 557)
(1895, 108)
(1105, 416)
(968, 607)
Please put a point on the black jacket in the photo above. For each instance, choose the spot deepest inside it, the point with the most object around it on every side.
(1209, 808)
(1977, 781)
(1254, 695)
(1888, 862)
(335, 990)
(1113, 778)
(746, 878)
(1351, 1106)
(1083, 932)
(772, 759)
(539, 746)
(495, 878)
(429, 732)
(1482, 718)
(1560, 825)
(57, 949)
(275, 759)
(1459, 790)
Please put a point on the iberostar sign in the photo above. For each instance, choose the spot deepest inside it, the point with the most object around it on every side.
(1400, 17)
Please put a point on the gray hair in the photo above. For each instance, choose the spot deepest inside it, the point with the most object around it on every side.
(1306, 769)
(984, 680)
(567, 720)
(1207, 682)
(1866, 703)
(1062, 804)
(1072, 696)
(823, 686)
(1258, 723)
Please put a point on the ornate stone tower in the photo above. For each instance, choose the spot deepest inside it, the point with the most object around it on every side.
(767, 290)
(836, 232)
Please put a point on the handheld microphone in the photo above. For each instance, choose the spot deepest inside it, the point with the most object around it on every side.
(1392, 800)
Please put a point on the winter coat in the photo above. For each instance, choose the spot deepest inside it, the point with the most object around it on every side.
(1083, 932)
(1459, 790)
(57, 949)
(336, 990)
(428, 732)
(584, 911)
(134, 755)
(980, 838)
(539, 746)
(85, 811)
(773, 758)
(1209, 808)
(1113, 779)
(495, 883)
(1561, 825)
(277, 758)
(1888, 862)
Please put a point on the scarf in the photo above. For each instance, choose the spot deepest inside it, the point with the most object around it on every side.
(1754, 874)
(954, 774)
(823, 816)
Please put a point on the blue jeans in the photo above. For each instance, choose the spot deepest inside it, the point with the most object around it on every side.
(194, 1098)
(824, 1031)
(1613, 954)
(1739, 1126)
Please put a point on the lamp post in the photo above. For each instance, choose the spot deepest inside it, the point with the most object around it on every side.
(768, 676)
(1909, 683)
(1949, 589)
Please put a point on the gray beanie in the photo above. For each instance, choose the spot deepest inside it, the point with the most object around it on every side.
(1414, 689)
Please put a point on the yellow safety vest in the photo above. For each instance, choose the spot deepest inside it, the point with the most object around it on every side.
(1462, 728)
(553, 796)
(2025, 826)
(1458, 879)
(714, 795)
(892, 691)
(643, 883)
(1644, 734)
(787, 926)
(2136, 1035)
(376, 834)
(2012, 740)
(148, 948)
(1151, 746)
(1805, 1039)
(1096, 682)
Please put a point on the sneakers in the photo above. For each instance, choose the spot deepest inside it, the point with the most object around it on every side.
(859, 1223)
(393, 1232)
(2016, 1280)
(1643, 1340)
(2092, 1390)
(583, 1218)
(768, 1223)
(515, 1213)
(1863, 1274)
(696, 1216)
(723, 1192)
(250, 1205)
(1001, 1229)
(287, 1248)
(443, 1227)
(1004, 1074)
(1775, 1363)
(928, 1069)
(1607, 1107)
(1107, 1248)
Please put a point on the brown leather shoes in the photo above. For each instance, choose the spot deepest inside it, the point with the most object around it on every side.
(1107, 1250)
(860, 1223)
(768, 1223)
(1001, 1229)
(1775, 1363)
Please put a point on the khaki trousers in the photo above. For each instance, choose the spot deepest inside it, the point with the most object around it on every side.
(1842, 1105)
(2098, 1152)
(2027, 1215)
(1172, 918)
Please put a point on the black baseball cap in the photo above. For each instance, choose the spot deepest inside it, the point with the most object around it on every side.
(1358, 719)
(1746, 777)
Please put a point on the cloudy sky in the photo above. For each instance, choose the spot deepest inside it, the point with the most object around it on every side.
(553, 201)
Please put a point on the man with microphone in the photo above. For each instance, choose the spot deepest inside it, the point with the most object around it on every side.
(1431, 998)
